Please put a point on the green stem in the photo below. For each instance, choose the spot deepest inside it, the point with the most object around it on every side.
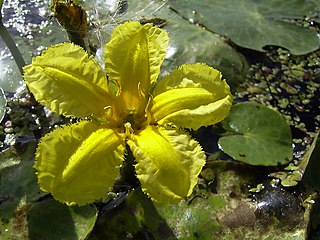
(11, 44)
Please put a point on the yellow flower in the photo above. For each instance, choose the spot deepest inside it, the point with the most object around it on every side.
(79, 163)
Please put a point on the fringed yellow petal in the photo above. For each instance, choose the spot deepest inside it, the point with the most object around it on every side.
(168, 163)
(69, 82)
(197, 75)
(192, 96)
(79, 163)
(133, 58)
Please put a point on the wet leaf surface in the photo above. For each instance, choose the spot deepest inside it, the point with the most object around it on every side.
(190, 44)
(259, 135)
(254, 24)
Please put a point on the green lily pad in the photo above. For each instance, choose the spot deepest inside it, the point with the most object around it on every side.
(260, 135)
(254, 24)
(3, 103)
(53, 220)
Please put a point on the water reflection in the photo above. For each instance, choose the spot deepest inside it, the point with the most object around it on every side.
(32, 29)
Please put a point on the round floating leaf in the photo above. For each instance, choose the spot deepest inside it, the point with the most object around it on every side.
(53, 220)
(260, 135)
(254, 24)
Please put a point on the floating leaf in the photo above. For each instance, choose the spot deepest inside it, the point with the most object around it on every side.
(254, 24)
(190, 44)
(260, 135)
(53, 220)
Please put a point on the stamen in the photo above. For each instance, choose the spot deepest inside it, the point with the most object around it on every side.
(108, 112)
(150, 98)
(141, 93)
(128, 129)
(114, 84)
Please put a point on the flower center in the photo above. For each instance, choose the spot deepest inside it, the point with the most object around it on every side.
(133, 122)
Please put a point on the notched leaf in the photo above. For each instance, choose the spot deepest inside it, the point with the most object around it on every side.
(259, 135)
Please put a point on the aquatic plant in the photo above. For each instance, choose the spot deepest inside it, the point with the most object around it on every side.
(79, 163)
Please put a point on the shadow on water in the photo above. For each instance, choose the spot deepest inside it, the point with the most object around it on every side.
(134, 218)
(42, 217)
